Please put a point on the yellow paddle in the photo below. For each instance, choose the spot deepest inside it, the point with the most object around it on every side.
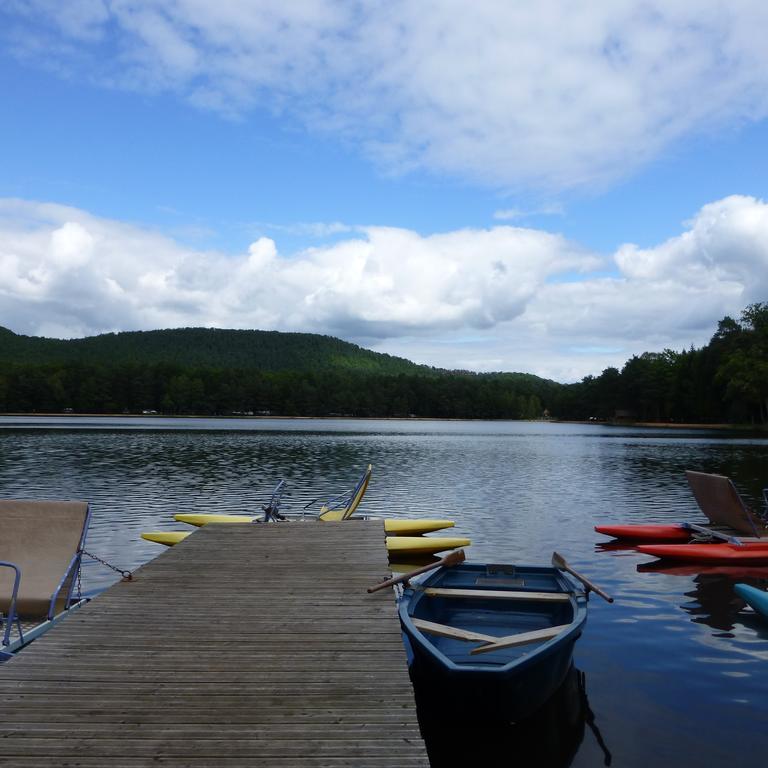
(453, 558)
(558, 561)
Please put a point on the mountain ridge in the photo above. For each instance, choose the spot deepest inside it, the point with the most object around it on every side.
(223, 348)
(208, 347)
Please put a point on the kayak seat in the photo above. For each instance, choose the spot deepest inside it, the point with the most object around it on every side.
(41, 548)
(343, 506)
(721, 503)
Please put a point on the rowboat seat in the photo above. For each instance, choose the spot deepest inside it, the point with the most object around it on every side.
(489, 642)
(498, 594)
(342, 507)
(456, 633)
(521, 638)
(719, 500)
(40, 551)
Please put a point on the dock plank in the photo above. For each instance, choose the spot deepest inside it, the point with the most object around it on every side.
(243, 645)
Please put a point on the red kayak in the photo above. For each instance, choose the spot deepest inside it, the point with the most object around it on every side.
(646, 532)
(756, 553)
(734, 571)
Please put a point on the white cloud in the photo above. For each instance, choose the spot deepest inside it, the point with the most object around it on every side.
(554, 93)
(503, 298)
(671, 295)
(70, 267)
(510, 214)
(71, 246)
(312, 229)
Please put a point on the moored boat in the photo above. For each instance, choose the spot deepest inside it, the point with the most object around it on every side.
(167, 538)
(496, 638)
(392, 526)
(733, 571)
(727, 514)
(754, 553)
(757, 599)
(649, 533)
(407, 546)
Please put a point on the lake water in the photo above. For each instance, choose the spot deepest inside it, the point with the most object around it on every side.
(675, 671)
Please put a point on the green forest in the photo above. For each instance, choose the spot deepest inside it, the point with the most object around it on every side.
(725, 381)
(226, 372)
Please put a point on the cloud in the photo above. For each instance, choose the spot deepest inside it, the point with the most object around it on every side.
(671, 295)
(504, 297)
(313, 229)
(510, 214)
(552, 94)
(68, 269)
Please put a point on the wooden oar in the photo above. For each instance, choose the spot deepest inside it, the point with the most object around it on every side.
(453, 558)
(558, 561)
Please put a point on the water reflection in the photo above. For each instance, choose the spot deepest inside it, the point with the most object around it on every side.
(713, 600)
(659, 676)
(615, 546)
(550, 738)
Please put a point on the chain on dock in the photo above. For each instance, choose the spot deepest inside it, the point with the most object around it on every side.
(127, 575)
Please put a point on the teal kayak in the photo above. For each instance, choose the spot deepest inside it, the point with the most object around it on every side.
(754, 597)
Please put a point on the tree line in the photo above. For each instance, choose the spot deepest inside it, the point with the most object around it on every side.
(178, 390)
(724, 381)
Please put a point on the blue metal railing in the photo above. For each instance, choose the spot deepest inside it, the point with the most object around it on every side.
(13, 615)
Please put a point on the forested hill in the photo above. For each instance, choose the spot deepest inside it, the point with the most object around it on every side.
(221, 372)
(205, 348)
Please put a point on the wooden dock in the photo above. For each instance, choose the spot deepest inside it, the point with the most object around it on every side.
(245, 645)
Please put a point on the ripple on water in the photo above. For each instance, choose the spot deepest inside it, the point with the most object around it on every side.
(675, 658)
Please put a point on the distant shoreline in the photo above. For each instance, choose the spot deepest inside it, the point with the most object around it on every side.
(673, 425)
(261, 417)
(667, 425)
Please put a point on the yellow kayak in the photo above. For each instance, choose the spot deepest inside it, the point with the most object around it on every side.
(392, 526)
(396, 545)
(169, 538)
(423, 545)
(415, 527)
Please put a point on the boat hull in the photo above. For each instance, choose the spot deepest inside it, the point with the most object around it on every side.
(414, 527)
(649, 533)
(756, 554)
(406, 546)
(507, 698)
(756, 598)
(167, 538)
(507, 684)
(733, 571)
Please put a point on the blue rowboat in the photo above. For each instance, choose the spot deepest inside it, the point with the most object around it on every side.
(753, 597)
(494, 640)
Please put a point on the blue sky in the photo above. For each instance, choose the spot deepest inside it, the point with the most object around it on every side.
(482, 191)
